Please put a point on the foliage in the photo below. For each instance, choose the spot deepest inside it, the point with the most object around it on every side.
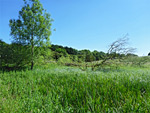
(46, 53)
(3, 51)
(13, 56)
(71, 51)
(62, 51)
(63, 60)
(137, 61)
(32, 28)
(98, 55)
(74, 58)
(76, 55)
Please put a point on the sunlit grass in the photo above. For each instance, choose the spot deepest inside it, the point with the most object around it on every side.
(65, 89)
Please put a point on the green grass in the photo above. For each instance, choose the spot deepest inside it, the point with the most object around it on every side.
(65, 90)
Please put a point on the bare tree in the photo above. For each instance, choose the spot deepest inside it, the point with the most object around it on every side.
(120, 46)
(116, 50)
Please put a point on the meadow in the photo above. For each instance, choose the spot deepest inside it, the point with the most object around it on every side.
(61, 89)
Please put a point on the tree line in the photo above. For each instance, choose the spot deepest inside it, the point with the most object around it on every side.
(17, 56)
(76, 55)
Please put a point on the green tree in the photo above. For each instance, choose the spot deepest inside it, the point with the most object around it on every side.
(98, 55)
(3, 56)
(20, 56)
(71, 51)
(33, 27)
(62, 51)
(13, 56)
(86, 55)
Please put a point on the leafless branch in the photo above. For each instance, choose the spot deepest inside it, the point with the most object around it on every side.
(117, 48)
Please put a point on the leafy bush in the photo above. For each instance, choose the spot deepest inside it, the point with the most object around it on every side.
(63, 60)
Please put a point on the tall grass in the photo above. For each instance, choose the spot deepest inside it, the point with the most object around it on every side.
(63, 89)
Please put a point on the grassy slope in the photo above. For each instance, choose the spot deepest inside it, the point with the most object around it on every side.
(63, 89)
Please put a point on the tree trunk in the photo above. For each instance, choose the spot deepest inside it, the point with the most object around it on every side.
(32, 64)
(32, 46)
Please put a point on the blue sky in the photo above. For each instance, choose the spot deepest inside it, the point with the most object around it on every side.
(89, 24)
